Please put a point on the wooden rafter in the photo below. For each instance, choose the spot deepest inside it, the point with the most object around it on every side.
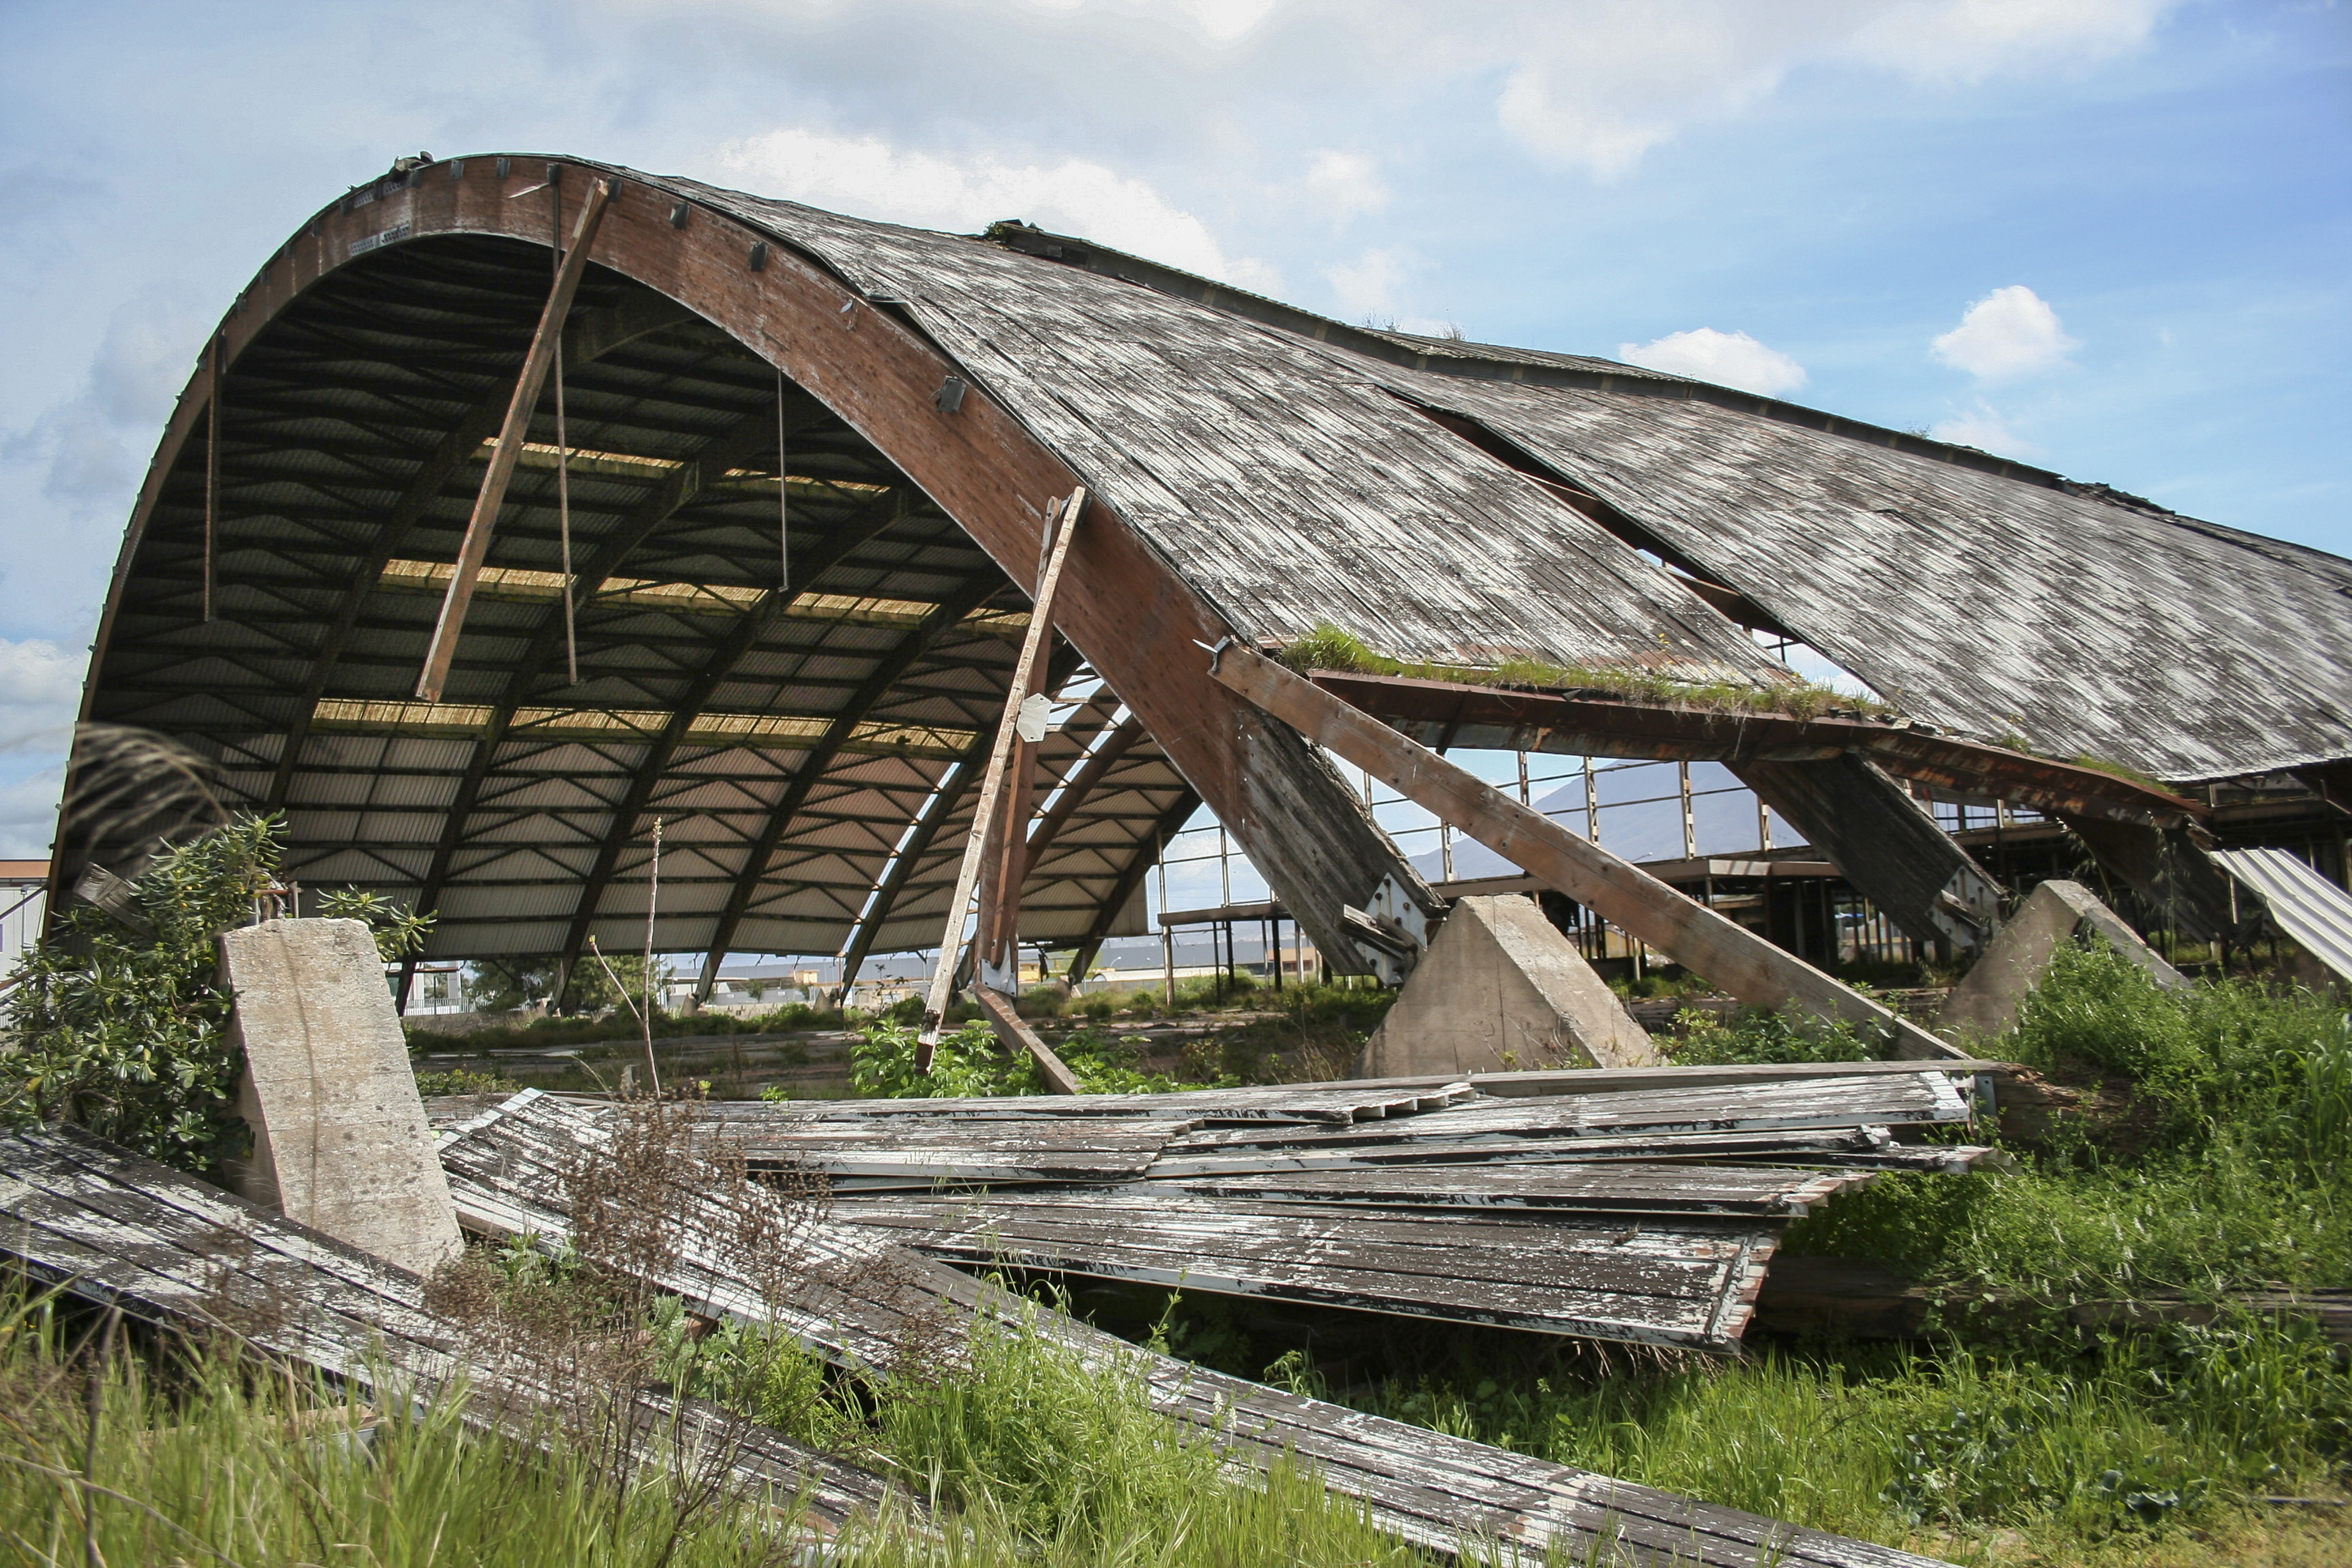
(861, 702)
(536, 363)
(720, 664)
(591, 337)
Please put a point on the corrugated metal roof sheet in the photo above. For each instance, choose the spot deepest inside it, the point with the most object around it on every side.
(2307, 906)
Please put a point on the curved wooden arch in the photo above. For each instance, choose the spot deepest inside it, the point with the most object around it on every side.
(1123, 605)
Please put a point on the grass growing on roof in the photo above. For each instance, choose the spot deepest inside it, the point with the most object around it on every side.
(1329, 647)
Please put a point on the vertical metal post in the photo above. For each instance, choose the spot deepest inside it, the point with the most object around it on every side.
(1446, 848)
(1592, 803)
(1225, 869)
(1168, 956)
(1690, 822)
(1524, 798)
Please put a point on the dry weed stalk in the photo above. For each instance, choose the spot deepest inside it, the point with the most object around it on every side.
(666, 1196)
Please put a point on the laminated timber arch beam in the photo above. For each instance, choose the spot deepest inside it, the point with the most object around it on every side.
(1125, 606)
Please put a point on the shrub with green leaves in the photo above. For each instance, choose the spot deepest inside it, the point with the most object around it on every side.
(126, 1031)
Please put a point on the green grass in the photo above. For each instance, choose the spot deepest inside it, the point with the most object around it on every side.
(2139, 1433)
(1028, 1457)
(619, 1026)
(1329, 647)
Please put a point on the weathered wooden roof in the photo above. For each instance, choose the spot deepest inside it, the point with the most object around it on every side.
(1987, 597)
(811, 748)
(172, 1251)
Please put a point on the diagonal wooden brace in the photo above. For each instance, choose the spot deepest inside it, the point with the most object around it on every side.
(501, 472)
(1726, 954)
(1014, 1031)
(990, 808)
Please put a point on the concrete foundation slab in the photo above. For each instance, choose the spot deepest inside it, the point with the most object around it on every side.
(339, 1140)
(1502, 990)
(1987, 1001)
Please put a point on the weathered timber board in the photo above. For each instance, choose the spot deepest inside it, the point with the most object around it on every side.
(107, 1226)
(1335, 1104)
(1802, 1147)
(1093, 1149)
(1646, 1280)
(1823, 1102)
(1431, 1490)
(1761, 1190)
(1616, 1080)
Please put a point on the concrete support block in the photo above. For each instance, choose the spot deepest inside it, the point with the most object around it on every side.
(339, 1140)
(1987, 1002)
(1501, 988)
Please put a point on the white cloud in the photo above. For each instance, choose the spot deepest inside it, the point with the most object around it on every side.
(92, 445)
(28, 813)
(1726, 359)
(1968, 40)
(40, 690)
(1597, 83)
(1346, 185)
(2010, 332)
(1368, 287)
(1986, 429)
(869, 177)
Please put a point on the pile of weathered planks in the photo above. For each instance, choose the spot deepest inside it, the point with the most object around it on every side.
(1645, 1214)
(871, 1296)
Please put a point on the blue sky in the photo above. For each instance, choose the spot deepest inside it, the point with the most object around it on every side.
(2125, 221)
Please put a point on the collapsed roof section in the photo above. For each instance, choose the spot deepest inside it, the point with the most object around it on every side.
(807, 716)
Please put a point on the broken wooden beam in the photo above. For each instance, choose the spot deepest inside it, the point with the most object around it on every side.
(1016, 1034)
(1003, 758)
(1730, 955)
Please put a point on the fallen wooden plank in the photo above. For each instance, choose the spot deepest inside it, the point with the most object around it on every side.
(1013, 1030)
(1034, 1149)
(1327, 1104)
(1613, 1080)
(1434, 1491)
(1694, 935)
(111, 1228)
(1679, 1280)
(1765, 1191)
(1882, 1101)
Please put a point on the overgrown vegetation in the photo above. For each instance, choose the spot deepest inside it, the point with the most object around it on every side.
(551, 1032)
(118, 1020)
(1329, 647)
(970, 1061)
